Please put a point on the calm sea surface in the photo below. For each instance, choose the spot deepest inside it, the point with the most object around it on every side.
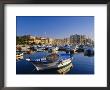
(81, 64)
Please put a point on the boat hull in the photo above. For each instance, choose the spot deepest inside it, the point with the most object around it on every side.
(54, 65)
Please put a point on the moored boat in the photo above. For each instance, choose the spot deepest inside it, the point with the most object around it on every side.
(52, 61)
(19, 55)
(89, 51)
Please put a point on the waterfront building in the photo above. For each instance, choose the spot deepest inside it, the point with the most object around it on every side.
(66, 41)
(50, 41)
(75, 39)
(32, 39)
(37, 40)
(89, 41)
(82, 39)
(58, 42)
(44, 41)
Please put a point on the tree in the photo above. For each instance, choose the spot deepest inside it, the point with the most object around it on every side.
(22, 39)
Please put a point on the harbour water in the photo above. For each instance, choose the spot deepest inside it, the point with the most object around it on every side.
(80, 64)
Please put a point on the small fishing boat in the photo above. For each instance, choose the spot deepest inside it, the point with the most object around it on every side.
(52, 61)
(19, 55)
(89, 51)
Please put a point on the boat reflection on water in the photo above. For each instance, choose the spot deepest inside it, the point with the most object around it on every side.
(65, 69)
(62, 70)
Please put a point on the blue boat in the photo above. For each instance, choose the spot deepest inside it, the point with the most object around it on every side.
(52, 61)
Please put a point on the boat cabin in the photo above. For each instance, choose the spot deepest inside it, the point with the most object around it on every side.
(52, 57)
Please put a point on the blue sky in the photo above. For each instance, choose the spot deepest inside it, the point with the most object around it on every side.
(55, 26)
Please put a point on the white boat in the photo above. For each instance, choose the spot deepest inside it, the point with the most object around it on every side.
(79, 48)
(40, 49)
(53, 49)
(52, 61)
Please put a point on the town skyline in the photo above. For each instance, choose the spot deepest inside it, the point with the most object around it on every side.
(55, 26)
(73, 39)
(53, 38)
